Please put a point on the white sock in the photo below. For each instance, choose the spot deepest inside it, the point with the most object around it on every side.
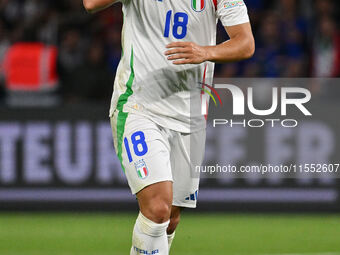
(149, 237)
(170, 239)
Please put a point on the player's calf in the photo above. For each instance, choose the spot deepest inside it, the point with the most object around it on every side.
(174, 219)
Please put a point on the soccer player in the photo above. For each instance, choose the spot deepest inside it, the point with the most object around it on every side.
(169, 50)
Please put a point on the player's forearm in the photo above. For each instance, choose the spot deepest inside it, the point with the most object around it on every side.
(238, 48)
(97, 5)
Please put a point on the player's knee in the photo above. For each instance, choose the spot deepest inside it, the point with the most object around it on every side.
(174, 221)
(160, 211)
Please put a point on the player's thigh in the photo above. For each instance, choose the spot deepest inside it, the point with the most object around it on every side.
(187, 152)
(142, 149)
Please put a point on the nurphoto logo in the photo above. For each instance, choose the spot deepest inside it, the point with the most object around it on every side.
(282, 98)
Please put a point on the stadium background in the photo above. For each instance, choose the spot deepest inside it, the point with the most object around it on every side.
(56, 152)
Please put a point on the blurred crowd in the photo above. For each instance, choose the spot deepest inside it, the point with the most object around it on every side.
(293, 39)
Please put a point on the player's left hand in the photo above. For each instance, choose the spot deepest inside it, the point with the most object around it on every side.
(186, 53)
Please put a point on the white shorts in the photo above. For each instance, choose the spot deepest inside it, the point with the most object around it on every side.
(151, 154)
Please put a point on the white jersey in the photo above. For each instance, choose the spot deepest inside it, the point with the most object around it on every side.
(150, 85)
